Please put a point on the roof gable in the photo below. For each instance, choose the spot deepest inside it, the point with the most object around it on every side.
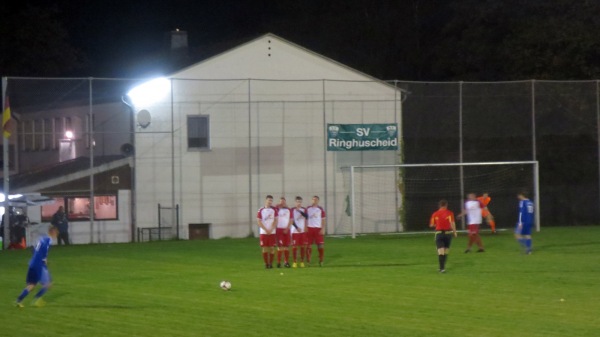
(271, 57)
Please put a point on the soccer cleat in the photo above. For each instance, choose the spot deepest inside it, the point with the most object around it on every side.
(294, 265)
(39, 303)
(270, 266)
(279, 265)
(528, 252)
(320, 263)
(442, 271)
(301, 264)
(468, 250)
(19, 305)
(287, 265)
(480, 250)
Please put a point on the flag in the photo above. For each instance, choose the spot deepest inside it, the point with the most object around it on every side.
(6, 118)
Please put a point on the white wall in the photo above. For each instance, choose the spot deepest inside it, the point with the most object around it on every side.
(267, 137)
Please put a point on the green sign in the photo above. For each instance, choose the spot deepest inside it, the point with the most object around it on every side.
(362, 137)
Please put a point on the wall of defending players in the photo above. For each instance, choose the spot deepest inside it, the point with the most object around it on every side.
(297, 227)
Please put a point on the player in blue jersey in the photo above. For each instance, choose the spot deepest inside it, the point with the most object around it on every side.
(525, 223)
(38, 269)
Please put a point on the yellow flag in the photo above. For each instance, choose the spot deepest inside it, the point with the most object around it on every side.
(6, 118)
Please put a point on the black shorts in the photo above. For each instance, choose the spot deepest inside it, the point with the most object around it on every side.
(443, 239)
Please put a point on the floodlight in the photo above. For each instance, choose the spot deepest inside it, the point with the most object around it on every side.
(149, 92)
(69, 134)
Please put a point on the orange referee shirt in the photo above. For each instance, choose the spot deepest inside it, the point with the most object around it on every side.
(442, 219)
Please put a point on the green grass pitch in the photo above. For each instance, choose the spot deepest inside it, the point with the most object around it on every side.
(370, 286)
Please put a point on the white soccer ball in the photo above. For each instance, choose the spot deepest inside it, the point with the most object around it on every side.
(225, 285)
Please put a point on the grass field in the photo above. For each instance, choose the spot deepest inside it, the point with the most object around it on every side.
(371, 286)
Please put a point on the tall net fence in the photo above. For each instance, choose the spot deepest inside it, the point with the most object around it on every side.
(382, 197)
(217, 147)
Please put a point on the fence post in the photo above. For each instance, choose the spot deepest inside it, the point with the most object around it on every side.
(159, 229)
(533, 141)
(598, 127)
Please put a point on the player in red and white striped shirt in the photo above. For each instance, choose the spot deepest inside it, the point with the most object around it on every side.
(316, 229)
(299, 236)
(267, 220)
(282, 233)
(472, 210)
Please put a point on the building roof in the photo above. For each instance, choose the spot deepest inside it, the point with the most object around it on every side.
(60, 173)
(268, 46)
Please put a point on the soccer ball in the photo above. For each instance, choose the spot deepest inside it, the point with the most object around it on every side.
(225, 285)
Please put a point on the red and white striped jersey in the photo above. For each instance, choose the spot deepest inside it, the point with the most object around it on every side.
(299, 220)
(283, 217)
(316, 214)
(267, 216)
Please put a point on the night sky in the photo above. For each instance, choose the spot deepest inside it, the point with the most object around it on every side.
(401, 39)
(115, 35)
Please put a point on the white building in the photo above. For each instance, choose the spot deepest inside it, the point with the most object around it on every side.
(251, 122)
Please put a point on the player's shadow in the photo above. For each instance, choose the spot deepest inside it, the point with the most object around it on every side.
(570, 244)
(94, 306)
(372, 265)
(60, 294)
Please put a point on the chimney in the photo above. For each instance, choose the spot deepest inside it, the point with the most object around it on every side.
(179, 40)
(177, 53)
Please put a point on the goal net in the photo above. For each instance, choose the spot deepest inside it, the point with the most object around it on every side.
(399, 198)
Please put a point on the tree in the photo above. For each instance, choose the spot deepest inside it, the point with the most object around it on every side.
(513, 40)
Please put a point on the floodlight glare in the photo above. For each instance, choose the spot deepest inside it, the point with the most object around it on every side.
(69, 134)
(149, 92)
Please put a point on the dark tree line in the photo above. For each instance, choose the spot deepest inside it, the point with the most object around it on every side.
(452, 40)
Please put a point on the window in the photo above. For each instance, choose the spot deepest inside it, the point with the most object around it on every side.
(78, 208)
(49, 210)
(48, 130)
(27, 135)
(38, 134)
(59, 132)
(198, 132)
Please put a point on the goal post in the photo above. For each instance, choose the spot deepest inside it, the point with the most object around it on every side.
(400, 198)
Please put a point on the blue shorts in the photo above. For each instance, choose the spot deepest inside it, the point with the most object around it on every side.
(525, 229)
(38, 275)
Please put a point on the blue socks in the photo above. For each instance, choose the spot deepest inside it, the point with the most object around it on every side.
(41, 292)
(25, 292)
(525, 243)
(23, 295)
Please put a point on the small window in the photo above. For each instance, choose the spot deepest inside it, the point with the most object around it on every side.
(38, 134)
(59, 132)
(48, 141)
(198, 132)
(28, 135)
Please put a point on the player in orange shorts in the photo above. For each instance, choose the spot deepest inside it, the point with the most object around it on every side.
(485, 212)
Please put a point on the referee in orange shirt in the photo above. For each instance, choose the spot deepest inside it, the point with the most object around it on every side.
(443, 221)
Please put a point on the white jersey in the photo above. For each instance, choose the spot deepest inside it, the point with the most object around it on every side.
(283, 217)
(316, 214)
(266, 216)
(473, 210)
(299, 220)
